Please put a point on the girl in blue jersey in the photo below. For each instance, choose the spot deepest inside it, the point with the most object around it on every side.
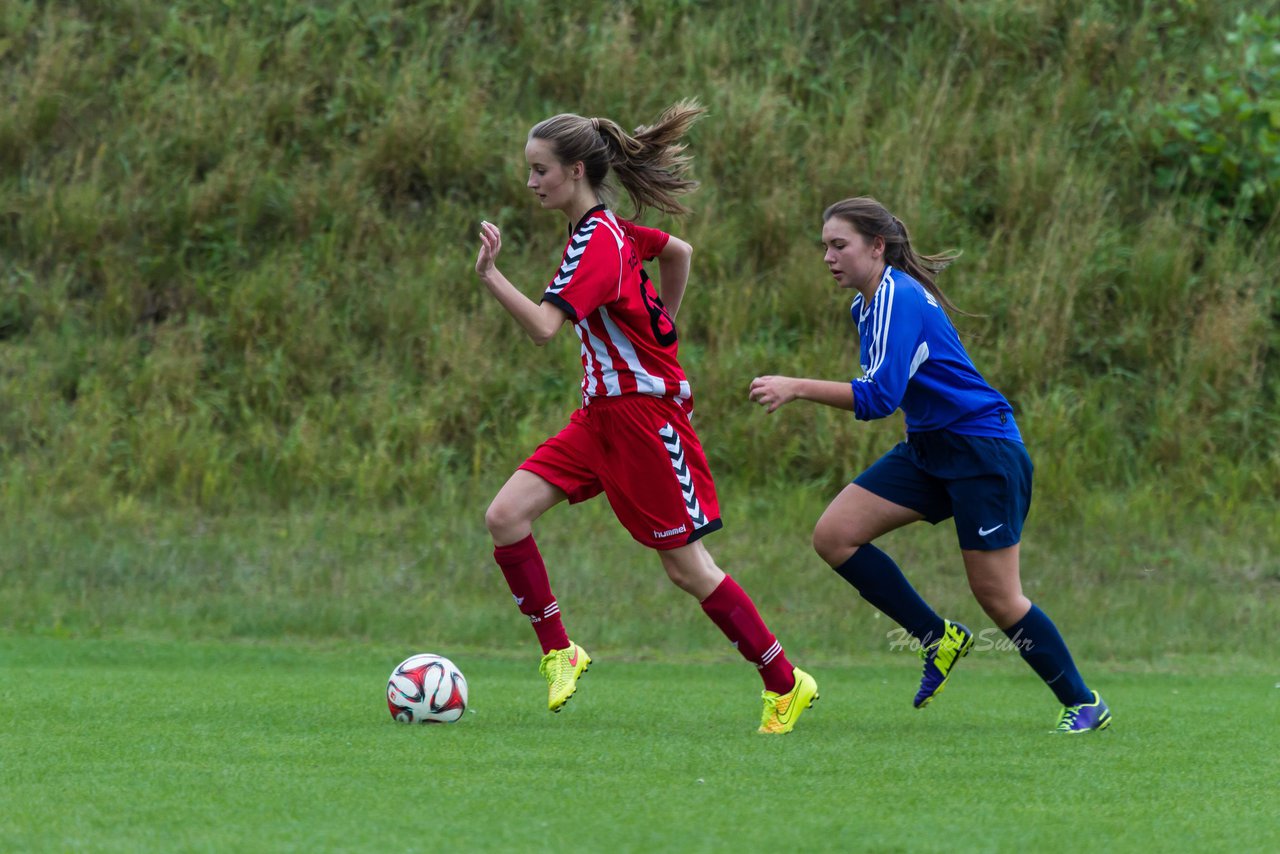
(963, 458)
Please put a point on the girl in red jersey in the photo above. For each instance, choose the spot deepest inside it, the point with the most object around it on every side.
(632, 438)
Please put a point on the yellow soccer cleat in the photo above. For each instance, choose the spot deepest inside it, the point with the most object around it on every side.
(781, 711)
(562, 667)
(940, 658)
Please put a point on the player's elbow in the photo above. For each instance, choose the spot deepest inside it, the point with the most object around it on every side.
(540, 337)
(544, 324)
(871, 406)
(676, 250)
(880, 409)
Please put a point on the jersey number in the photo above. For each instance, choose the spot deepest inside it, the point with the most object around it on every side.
(664, 329)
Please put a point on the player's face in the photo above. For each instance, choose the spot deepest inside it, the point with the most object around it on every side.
(551, 181)
(855, 261)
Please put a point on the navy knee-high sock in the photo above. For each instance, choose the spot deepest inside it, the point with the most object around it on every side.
(878, 580)
(1043, 648)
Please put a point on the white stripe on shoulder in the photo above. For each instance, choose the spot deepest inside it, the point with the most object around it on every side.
(921, 356)
(611, 223)
(619, 238)
(883, 305)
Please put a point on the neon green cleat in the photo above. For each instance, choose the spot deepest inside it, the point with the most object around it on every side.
(940, 658)
(781, 711)
(562, 667)
(1086, 717)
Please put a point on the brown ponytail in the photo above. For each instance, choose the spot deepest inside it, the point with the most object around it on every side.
(649, 164)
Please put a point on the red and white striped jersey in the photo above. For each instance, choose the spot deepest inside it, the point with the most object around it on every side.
(628, 340)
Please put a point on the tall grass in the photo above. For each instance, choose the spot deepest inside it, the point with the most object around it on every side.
(236, 245)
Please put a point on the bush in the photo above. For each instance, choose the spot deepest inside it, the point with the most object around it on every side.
(1223, 137)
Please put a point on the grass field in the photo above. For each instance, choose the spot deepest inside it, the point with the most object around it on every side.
(1123, 586)
(112, 745)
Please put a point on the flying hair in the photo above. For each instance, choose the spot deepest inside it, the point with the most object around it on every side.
(649, 163)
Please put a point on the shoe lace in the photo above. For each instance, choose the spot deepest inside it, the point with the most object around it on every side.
(770, 706)
(935, 655)
(943, 652)
(1068, 718)
(926, 651)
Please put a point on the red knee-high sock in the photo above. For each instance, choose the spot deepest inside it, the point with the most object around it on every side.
(730, 608)
(526, 575)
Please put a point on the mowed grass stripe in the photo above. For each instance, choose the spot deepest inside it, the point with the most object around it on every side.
(113, 746)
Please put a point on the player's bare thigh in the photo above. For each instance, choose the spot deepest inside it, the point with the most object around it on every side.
(522, 499)
(855, 518)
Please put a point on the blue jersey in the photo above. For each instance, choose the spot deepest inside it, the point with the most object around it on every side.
(912, 360)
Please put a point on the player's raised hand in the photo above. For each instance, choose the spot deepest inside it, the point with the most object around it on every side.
(490, 246)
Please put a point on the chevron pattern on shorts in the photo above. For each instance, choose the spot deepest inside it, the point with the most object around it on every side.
(671, 439)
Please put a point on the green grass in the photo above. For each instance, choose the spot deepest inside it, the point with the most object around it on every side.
(164, 746)
(236, 244)
(1121, 586)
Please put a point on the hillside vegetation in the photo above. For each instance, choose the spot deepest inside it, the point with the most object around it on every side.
(236, 241)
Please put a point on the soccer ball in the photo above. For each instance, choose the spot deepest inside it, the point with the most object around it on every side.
(427, 689)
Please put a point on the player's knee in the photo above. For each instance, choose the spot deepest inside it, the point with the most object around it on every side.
(830, 542)
(1001, 604)
(696, 575)
(501, 518)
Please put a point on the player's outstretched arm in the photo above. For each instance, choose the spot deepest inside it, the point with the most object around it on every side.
(540, 321)
(773, 392)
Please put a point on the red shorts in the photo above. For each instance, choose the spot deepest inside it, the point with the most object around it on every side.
(642, 453)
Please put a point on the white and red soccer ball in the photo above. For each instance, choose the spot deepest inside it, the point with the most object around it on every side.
(427, 689)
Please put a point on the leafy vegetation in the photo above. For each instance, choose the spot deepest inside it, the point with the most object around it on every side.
(236, 243)
(1225, 134)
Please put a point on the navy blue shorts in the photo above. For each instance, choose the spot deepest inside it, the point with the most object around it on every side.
(985, 483)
